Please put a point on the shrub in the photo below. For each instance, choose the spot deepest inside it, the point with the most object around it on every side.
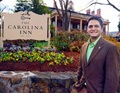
(62, 41)
(40, 44)
(69, 41)
(111, 39)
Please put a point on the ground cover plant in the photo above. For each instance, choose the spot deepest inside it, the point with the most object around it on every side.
(36, 56)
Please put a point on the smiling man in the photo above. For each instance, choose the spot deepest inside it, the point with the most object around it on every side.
(99, 60)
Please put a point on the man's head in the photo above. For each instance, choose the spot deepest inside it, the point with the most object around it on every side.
(97, 19)
(94, 27)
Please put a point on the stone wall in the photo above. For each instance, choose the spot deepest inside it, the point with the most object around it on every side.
(37, 82)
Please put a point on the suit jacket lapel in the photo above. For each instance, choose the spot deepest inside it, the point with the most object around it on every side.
(95, 51)
(84, 53)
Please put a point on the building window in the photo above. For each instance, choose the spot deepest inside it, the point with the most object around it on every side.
(78, 26)
(84, 27)
(71, 26)
(53, 23)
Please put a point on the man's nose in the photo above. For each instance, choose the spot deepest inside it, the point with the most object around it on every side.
(93, 28)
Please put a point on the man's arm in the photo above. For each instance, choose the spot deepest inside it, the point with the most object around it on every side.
(78, 84)
(111, 70)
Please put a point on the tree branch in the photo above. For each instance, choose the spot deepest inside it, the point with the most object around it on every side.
(61, 6)
(1, 10)
(113, 6)
(57, 9)
(66, 6)
(98, 3)
(109, 3)
(63, 3)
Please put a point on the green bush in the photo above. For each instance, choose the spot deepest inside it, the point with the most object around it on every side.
(40, 44)
(69, 41)
(52, 30)
(62, 41)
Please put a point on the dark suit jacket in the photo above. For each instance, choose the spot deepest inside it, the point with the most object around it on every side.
(101, 71)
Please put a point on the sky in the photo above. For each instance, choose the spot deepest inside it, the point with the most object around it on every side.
(107, 12)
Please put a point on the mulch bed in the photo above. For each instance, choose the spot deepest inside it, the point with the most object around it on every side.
(36, 66)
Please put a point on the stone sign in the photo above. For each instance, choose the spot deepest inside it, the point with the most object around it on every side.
(26, 25)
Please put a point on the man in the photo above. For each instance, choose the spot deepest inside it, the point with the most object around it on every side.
(99, 60)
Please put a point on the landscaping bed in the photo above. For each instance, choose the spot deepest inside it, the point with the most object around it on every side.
(37, 66)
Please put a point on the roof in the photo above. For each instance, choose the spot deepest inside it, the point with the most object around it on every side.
(78, 14)
(113, 34)
(52, 8)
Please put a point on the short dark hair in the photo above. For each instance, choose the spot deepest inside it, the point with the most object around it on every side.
(95, 18)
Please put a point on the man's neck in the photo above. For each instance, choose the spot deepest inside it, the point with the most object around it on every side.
(92, 39)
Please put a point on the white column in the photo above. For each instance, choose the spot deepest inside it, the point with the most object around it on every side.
(107, 29)
(69, 23)
(55, 24)
(1, 37)
(80, 25)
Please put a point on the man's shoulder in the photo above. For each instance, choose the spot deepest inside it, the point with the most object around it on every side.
(109, 43)
(85, 44)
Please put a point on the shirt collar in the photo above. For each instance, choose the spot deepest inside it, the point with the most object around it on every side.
(94, 43)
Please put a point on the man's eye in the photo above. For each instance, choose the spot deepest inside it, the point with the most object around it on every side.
(96, 26)
(90, 26)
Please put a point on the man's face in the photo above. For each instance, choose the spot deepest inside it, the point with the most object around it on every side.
(94, 29)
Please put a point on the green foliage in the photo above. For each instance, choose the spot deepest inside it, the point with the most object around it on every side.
(52, 30)
(24, 43)
(39, 7)
(69, 41)
(36, 6)
(36, 56)
(22, 5)
(62, 41)
(79, 38)
(40, 44)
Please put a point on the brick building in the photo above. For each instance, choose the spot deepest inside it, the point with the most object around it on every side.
(78, 20)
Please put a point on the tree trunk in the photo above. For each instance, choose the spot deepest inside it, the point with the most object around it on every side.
(65, 24)
(64, 14)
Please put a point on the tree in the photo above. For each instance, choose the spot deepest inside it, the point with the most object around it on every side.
(22, 5)
(108, 3)
(36, 6)
(39, 8)
(64, 13)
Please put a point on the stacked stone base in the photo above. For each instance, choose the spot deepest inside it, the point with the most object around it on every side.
(36, 82)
